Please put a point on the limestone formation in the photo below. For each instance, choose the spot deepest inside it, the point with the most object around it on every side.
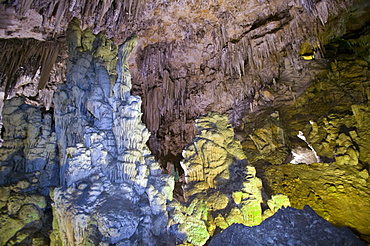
(113, 191)
(214, 149)
(292, 76)
(221, 187)
(23, 216)
(339, 194)
(332, 120)
(29, 166)
(29, 146)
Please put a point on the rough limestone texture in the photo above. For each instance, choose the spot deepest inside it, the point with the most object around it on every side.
(329, 122)
(24, 217)
(28, 167)
(338, 194)
(195, 57)
(221, 187)
(288, 226)
(267, 141)
(244, 57)
(113, 191)
(343, 137)
(29, 151)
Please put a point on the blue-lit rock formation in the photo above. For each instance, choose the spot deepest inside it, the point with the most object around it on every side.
(112, 190)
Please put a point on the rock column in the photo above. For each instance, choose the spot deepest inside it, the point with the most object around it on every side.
(112, 190)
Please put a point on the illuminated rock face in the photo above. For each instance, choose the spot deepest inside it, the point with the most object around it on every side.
(195, 57)
(221, 187)
(29, 166)
(113, 192)
(214, 149)
(338, 189)
(339, 194)
(332, 118)
(29, 146)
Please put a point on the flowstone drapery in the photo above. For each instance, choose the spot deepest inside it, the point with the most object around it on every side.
(112, 190)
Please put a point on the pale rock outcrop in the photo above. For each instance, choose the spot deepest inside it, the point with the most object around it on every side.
(207, 160)
(112, 190)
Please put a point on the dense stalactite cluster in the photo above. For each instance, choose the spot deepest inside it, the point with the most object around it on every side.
(99, 15)
(242, 61)
(25, 58)
(236, 59)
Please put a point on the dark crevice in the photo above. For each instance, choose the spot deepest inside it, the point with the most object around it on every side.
(284, 18)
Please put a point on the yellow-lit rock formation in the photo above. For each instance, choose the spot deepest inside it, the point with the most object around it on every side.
(221, 187)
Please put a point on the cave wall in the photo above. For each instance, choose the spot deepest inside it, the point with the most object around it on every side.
(227, 56)
(327, 128)
(195, 57)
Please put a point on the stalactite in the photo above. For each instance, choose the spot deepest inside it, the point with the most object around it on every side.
(48, 59)
(60, 13)
(25, 5)
(18, 56)
(102, 14)
(105, 7)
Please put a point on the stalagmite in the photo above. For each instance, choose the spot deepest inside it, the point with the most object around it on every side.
(215, 169)
(107, 151)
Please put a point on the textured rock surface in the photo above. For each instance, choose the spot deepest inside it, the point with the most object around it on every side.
(31, 69)
(113, 192)
(220, 186)
(24, 217)
(288, 226)
(276, 67)
(331, 118)
(29, 166)
(233, 56)
(29, 150)
(340, 194)
(195, 57)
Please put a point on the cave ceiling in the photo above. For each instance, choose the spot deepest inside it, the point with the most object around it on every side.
(192, 57)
